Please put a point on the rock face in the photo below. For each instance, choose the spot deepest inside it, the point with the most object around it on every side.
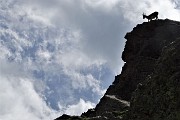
(148, 87)
(158, 98)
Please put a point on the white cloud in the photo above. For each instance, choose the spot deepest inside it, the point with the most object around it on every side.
(46, 53)
(103, 24)
(84, 82)
(18, 98)
(79, 108)
(99, 26)
(65, 47)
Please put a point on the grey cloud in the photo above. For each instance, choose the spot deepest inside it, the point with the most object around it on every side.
(102, 30)
(103, 27)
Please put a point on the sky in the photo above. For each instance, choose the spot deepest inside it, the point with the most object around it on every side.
(60, 56)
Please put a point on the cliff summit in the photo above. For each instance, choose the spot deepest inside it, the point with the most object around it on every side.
(148, 87)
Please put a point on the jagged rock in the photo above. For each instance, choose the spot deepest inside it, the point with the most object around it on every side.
(63, 117)
(68, 117)
(149, 79)
(157, 98)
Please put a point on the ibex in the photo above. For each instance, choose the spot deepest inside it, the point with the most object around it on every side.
(153, 15)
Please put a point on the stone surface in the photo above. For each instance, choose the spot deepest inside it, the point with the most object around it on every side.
(158, 98)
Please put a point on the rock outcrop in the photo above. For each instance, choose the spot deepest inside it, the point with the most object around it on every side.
(148, 87)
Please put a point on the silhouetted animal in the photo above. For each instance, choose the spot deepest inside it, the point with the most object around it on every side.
(153, 15)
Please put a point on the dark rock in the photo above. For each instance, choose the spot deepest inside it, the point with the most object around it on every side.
(160, 98)
(149, 80)
(63, 117)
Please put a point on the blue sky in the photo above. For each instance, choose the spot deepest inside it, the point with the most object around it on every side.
(60, 56)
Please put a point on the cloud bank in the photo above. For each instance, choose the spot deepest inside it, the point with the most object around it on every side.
(60, 56)
(18, 98)
(102, 24)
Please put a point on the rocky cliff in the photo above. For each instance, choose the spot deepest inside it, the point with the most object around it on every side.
(148, 87)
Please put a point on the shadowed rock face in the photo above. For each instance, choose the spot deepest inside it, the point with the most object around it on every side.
(158, 98)
(148, 86)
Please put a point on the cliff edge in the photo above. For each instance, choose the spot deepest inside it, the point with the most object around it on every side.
(148, 87)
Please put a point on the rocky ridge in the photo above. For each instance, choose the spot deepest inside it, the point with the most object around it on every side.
(148, 87)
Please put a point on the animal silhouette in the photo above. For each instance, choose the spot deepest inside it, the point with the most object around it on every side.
(153, 15)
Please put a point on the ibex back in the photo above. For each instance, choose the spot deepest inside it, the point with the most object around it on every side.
(154, 15)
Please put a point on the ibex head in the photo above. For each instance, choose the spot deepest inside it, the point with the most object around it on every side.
(144, 16)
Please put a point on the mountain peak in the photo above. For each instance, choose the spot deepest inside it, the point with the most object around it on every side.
(148, 86)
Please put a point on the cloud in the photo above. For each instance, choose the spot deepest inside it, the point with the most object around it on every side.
(79, 108)
(100, 27)
(18, 98)
(50, 59)
(102, 24)
(64, 51)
